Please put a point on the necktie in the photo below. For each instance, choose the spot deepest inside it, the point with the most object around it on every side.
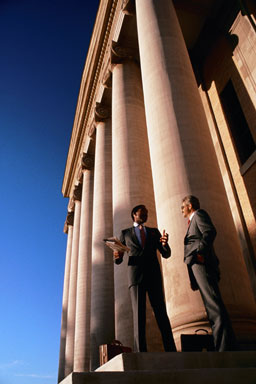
(188, 222)
(142, 236)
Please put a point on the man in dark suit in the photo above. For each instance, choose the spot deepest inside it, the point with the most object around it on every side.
(144, 275)
(203, 269)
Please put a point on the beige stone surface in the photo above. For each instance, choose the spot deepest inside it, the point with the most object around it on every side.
(102, 305)
(231, 192)
(245, 53)
(83, 297)
(63, 334)
(71, 316)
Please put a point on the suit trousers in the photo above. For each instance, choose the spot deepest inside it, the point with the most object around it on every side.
(223, 335)
(156, 298)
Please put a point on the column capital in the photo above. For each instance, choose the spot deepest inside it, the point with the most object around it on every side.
(70, 218)
(69, 221)
(128, 7)
(87, 162)
(119, 53)
(77, 194)
(101, 112)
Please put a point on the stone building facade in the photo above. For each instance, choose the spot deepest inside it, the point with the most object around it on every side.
(166, 108)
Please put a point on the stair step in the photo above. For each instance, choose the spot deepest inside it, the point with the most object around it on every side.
(183, 376)
(162, 361)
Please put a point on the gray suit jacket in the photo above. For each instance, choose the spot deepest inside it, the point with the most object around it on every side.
(143, 262)
(199, 240)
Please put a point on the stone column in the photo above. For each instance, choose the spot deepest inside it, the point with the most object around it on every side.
(71, 315)
(83, 297)
(68, 228)
(132, 178)
(102, 305)
(184, 162)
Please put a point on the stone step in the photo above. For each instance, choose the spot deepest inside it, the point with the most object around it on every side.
(162, 361)
(175, 376)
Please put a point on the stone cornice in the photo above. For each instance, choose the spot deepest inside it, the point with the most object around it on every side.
(90, 78)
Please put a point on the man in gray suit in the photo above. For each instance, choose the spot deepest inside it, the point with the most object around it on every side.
(203, 269)
(144, 275)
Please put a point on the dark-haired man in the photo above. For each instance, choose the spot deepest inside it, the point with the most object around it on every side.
(144, 276)
(203, 269)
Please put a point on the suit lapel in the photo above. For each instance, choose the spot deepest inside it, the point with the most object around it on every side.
(147, 234)
(190, 223)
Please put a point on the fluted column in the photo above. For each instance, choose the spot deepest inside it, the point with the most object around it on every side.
(183, 162)
(68, 228)
(83, 297)
(102, 305)
(132, 179)
(71, 315)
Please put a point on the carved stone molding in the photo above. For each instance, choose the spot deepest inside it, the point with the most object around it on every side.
(77, 192)
(107, 79)
(71, 205)
(79, 175)
(120, 53)
(102, 112)
(87, 162)
(128, 7)
(91, 131)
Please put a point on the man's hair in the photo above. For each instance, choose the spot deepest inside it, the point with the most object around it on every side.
(193, 200)
(135, 209)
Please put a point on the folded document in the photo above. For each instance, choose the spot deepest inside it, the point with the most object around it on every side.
(115, 244)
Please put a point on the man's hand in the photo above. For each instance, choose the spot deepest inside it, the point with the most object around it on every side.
(164, 238)
(117, 255)
(200, 258)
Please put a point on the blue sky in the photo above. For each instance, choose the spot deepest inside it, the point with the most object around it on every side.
(43, 48)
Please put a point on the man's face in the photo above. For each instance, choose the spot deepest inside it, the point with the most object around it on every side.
(141, 215)
(186, 209)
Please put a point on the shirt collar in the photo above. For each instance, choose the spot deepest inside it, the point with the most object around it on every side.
(136, 224)
(192, 215)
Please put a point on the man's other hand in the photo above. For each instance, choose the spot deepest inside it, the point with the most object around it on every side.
(164, 238)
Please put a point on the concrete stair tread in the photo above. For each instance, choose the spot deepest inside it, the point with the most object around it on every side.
(173, 368)
(163, 361)
(175, 376)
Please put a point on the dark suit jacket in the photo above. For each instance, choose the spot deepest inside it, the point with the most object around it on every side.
(199, 240)
(143, 263)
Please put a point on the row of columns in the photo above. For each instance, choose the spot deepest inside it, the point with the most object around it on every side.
(158, 153)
